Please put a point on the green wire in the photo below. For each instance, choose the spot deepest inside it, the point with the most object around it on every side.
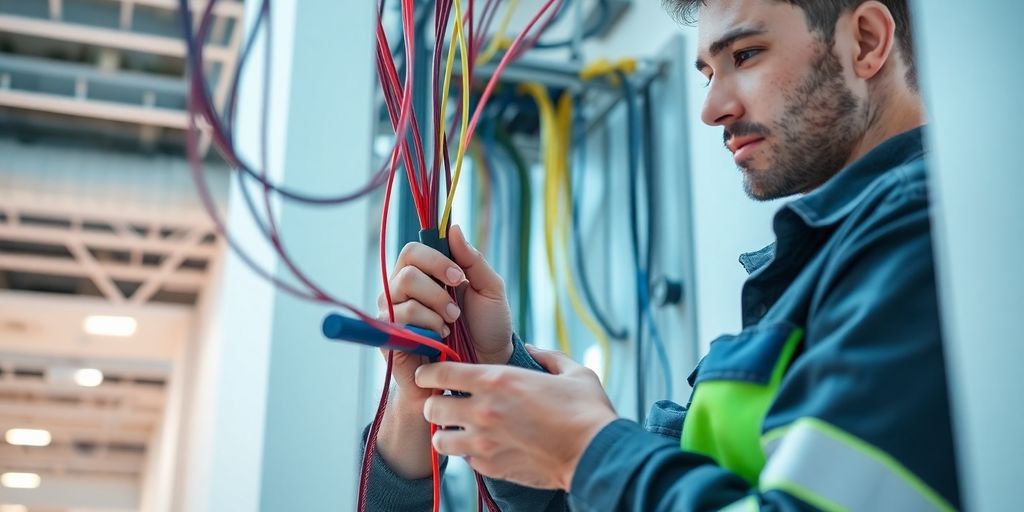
(524, 226)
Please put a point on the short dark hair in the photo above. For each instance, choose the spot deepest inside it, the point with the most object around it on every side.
(822, 16)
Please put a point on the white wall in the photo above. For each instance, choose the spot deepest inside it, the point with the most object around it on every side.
(271, 424)
(974, 97)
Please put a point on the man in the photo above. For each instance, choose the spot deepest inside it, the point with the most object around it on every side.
(834, 394)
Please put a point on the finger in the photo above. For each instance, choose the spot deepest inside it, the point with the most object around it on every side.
(411, 283)
(448, 375)
(448, 410)
(556, 363)
(413, 312)
(431, 262)
(481, 276)
(453, 442)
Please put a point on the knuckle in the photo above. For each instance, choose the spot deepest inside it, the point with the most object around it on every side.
(409, 250)
(406, 277)
(430, 409)
(488, 414)
(493, 379)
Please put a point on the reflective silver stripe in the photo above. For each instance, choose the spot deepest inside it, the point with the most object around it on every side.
(830, 469)
(748, 504)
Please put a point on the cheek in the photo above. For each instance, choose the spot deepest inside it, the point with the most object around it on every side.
(764, 97)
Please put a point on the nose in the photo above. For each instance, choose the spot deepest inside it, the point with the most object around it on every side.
(722, 105)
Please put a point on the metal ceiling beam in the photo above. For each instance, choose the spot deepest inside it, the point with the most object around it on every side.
(84, 433)
(100, 240)
(95, 109)
(221, 8)
(47, 412)
(106, 38)
(69, 460)
(131, 393)
(183, 280)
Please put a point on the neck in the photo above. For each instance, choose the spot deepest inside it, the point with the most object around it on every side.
(894, 114)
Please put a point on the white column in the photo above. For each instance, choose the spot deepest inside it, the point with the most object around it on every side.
(273, 426)
(973, 92)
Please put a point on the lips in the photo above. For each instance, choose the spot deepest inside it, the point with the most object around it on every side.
(742, 147)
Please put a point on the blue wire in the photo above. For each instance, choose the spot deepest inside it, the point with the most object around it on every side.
(644, 316)
(577, 193)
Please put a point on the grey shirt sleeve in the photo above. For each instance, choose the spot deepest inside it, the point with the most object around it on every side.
(389, 491)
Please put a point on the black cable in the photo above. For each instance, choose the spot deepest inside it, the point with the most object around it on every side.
(596, 28)
(577, 195)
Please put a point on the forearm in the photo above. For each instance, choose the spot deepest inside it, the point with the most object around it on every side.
(404, 439)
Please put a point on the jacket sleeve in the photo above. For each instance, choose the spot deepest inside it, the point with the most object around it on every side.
(861, 421)
(388, 491)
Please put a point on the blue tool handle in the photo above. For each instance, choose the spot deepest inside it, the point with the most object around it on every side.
(338, 327)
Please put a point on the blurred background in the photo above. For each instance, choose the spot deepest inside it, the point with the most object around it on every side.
(145, 366)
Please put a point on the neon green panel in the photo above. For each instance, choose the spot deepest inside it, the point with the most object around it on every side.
(725, 417)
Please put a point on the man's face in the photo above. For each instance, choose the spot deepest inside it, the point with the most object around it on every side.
(780, 93)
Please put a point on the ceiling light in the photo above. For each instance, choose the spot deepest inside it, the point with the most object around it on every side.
(27, 437)
(20, 480)
(88, 377)
(13, 508)
(100, 325)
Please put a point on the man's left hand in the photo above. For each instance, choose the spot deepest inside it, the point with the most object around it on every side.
(518, 425)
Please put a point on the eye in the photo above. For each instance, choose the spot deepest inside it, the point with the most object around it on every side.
(742, 56)
(708, 83)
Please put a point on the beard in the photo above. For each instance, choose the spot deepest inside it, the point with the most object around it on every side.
(813, 139)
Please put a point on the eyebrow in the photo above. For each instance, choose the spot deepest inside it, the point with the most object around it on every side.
(727, 40)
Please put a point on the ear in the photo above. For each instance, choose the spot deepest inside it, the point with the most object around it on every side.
(874, 33)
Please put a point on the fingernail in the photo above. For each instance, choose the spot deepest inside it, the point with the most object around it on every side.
(445, 332)
(453, 311)
(455, 276)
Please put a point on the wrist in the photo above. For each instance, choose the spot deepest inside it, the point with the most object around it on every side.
(587, 433)
(404, 440)
(408, 407)
(500, 356)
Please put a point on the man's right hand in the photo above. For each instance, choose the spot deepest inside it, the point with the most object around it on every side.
(419, 300)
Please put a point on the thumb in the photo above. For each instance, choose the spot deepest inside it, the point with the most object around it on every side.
(555, 362)
(481, 276)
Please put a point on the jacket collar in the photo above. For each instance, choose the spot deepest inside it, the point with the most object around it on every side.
(840, 195)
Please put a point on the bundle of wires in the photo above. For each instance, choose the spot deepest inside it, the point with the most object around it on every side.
(556, 131)
(643, 252)
(407, 152)
(642, 248)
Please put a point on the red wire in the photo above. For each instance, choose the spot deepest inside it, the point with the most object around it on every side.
(424, 186)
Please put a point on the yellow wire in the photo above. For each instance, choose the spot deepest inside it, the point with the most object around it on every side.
(565, 130)
(499, 38)
(461, 153)
(556, 132)
(548, 133)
